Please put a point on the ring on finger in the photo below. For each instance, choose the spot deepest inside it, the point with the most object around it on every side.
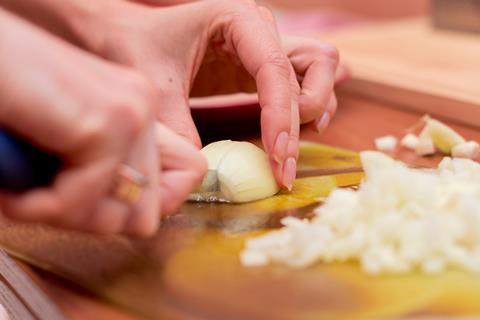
(129, 185)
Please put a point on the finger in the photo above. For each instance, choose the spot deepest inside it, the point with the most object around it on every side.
(67, 193)
(261, 54)
(286, 171)
(175, 114)
(183, 167)
(268, 16)
(318, 67)
(144, 219)
(321, 123)
(173, 108)
(292, 147)
(332, 105)
(342, 74)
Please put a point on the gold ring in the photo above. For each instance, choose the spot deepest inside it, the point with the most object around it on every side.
(129, 184)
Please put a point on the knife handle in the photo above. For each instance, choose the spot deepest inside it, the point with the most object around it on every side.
(23, 166)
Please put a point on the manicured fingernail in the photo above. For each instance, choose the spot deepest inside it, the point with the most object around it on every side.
(292, 149)
(280, 148)
(323, 122)
(289, 172)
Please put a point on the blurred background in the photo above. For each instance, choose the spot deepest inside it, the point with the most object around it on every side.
(304, 16)
(328, 15)
(420, 55)
(371, 9)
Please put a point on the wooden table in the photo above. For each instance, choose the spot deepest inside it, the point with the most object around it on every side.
(410, 63)
(357, 123)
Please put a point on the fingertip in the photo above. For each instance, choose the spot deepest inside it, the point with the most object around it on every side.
(322, 123)
(277, 169)
(289, 173)
(280, 148)
(342, 74)
(293, 146)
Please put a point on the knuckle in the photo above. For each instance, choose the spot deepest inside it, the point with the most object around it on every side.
(124, 114)
(131, 117)
(330, 52)
(279, 61)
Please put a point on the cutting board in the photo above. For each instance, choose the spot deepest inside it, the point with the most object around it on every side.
(191, 269)
(412, 65)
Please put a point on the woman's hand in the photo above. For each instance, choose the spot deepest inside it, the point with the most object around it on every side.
(229, 45)
(226, 47)
(95, 116)
(171, 44)
(315, 64)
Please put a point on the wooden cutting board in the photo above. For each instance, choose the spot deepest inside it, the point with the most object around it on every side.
(191, 269)
(412, 65)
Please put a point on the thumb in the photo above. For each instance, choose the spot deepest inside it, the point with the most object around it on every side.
(174, 113)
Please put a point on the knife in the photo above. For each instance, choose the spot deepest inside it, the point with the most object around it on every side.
(209, 190)
(23, 166)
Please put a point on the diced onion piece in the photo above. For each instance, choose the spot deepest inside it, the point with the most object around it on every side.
(425, 146)
(443, 137)
(468, 150)
(253, 258)
(386, 143)
(410, 141)
(399, 220)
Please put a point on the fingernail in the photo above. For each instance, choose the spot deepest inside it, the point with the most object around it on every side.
(322, 123)
(289, 172)
(280, 148)
(292, 149)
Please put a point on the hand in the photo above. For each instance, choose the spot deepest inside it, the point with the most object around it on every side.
(95, 116)
(171, 44)
(182, 167)
(315, 65)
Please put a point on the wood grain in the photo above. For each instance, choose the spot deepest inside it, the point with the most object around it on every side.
(410, 64)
